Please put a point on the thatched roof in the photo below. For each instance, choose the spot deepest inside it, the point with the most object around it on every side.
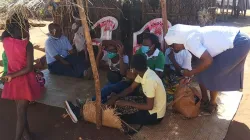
(26, 8)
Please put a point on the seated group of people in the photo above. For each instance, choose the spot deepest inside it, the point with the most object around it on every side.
(143, 73)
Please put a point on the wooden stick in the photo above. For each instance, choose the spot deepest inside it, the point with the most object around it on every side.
(93, 63)
(165, 20)
(223, 14)
(227, 9)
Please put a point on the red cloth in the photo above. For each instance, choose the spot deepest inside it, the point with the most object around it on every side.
(24, 87)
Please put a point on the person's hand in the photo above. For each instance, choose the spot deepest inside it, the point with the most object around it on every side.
(187, 73)
(100, 49)
(112, 100)
(7, 78)
(120, 49)
(171, 55)
(122, 103)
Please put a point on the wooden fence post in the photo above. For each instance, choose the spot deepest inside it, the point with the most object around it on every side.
(93, 63)
(165, 20)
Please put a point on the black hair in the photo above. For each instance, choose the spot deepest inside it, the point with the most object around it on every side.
(154, 39)
(52, 26)
(15, 26)
(139, 62)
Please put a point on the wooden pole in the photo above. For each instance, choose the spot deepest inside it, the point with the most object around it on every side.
(227, 9)
(93, 63)
(165, 20)
(223, 14)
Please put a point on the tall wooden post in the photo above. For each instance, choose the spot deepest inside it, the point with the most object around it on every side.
(93, 63)
(164, 19)
(227, 9)
(223, 8)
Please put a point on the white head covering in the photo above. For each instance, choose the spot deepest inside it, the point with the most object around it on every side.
(179, 33)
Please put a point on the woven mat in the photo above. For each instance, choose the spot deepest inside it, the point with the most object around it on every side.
(61, 88)
(214, 127)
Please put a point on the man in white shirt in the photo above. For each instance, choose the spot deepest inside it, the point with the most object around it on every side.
(222, 51)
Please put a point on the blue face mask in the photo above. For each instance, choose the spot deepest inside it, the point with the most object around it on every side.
(111, 55)
(145, 49)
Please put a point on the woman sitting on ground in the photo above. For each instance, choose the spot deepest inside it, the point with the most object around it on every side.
(151, 49)
(111, 56)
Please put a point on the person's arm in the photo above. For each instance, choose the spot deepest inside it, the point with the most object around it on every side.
(124, 93)
(62, 60)
(99, 56)
(195, 46)
(147, 106)
(172, 59)
(123, 60)
(29, 60)
(149, 89)
(69, 46)
(206, 61)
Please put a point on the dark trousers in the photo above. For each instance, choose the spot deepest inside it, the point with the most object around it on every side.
(76, 69)
(142, 117)
(109, 88)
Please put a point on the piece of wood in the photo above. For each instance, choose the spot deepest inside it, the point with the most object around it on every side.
(93, 63)
(223, 14)
(227, 9)
(165, 20)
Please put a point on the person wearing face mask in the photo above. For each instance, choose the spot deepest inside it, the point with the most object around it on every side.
(111, 55)
(151, 49)
(60, 56)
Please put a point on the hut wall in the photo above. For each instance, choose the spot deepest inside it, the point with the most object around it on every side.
(132, 15)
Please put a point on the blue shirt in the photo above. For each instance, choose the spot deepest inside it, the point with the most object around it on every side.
(54, 47)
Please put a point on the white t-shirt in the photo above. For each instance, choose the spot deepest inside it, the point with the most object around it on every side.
(114, 66)
(214, 39)
(79, 39)
(183, 58)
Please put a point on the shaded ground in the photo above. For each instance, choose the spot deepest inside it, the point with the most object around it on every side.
(48, 124)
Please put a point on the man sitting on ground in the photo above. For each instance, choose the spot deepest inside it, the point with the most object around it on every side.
(60, 55)
(153, 111)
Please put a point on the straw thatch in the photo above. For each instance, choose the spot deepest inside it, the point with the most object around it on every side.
(109, 117)
(25, 8)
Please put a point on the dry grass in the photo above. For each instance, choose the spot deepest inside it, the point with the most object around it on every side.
(109, 116)
(25, 8)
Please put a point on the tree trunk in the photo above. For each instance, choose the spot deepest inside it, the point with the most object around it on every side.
(93, 63)
(165, 20)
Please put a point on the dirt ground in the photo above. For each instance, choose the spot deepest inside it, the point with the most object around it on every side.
(48, 124)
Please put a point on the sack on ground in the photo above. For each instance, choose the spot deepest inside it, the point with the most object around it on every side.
(187, 101)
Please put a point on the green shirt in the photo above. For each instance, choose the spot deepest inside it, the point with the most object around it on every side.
(155, 62)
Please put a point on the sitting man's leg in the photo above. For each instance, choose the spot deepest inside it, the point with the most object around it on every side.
(109, 88)
(142, 117)
(61, 69)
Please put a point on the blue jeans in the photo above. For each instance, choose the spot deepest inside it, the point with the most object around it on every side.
(109, 88)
